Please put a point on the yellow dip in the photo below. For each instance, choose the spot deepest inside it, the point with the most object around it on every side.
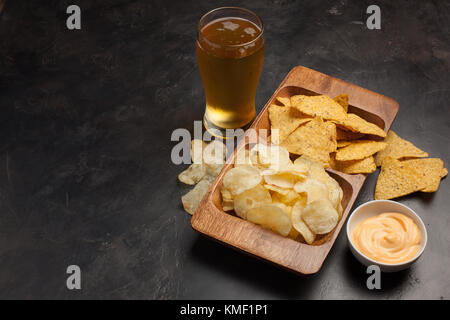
(388, 238)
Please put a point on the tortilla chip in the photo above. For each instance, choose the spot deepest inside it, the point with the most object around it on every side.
(444, 172)
(359, 149)
(284, 101)
(321, 106)
(316, 139)
(355, 123)
(343, 143)
(398, 148)
(366, 165)
(286, 120)
(397, 179)
(342, 99)
(343, 134)
(430, 169)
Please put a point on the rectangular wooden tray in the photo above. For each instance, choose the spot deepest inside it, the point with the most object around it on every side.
(255, 240)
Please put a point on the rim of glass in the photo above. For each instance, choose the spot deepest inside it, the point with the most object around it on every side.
(233, 45)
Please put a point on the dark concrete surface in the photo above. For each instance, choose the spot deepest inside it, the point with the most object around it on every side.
(85, 124)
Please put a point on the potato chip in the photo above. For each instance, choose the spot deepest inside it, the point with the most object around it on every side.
(335, 193)
(282, 191)
(299, 225)
(398, 148)
(226, 194)
(241, 178)
(197, 147)
(366, 165)
(284, 101)
(270, 157)
(271, 216)
(193, 174)
(192, 199)
(314, 189)
(359, 149)
(342, 134)
(430, 169)
(227, 205)
(342, 99)
(321, 106)
(286, 120)
(316, 139)
(215, 153)
(282, 179)
(320, 216)
(242, 158)
(288, 199)
(397, 179)
(343, 143)
(357, 124)
(251, 198)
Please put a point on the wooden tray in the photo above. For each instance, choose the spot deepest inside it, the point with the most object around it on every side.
(255, 240)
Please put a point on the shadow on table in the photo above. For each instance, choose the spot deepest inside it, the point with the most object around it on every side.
(255, 272)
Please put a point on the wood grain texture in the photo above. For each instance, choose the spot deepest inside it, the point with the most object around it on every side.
(255, 240)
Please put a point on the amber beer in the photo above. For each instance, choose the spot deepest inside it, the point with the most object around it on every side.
(230, 53)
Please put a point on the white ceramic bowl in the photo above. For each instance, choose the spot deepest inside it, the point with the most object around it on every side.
(376, 207)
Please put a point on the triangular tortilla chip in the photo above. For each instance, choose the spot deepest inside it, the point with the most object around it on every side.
(366, 165)
(398, 148)
(343, 134)
(355, 123)
(284, 101)
(396, 180)
(316, 139)
(430, 169)
(342, 99)
(286, 120)
(321, 106)
(359, 149)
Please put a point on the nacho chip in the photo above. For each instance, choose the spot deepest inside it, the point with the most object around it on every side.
(444, 172)
(284, 101)
(359, 149)
(342, 99)
(316, 139)
(321, 106)
(397, 179)
(398, 148)
(343, 143)
(366, 165)
(286, 120)
(343, 134)
(355, 123)
(430, 169)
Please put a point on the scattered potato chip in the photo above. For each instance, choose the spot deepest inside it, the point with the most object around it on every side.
(271, 216)
(314, 189)
(430, 169)
(398, 148)
(197, 147)
(321, 106)
(193, 174)
(359, 149)
(366, 165)
(299, 224)
(357, 124)
(320, 216)
(192, 199)
(284, 101)
(286, 120)
(316, 139)
(342, 99)
(241, 178)
(251, 198)
(342, 134)
(397, 179)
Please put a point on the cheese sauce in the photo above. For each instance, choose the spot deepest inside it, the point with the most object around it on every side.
(388, 238)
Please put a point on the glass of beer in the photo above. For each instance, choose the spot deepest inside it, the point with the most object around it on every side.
(230, 54)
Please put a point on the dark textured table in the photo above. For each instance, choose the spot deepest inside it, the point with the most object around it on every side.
(85, 125)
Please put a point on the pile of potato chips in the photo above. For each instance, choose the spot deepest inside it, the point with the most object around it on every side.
(323, 129)
(295, 199)
(207, 162)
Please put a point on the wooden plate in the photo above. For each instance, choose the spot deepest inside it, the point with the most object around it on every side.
(301, 258)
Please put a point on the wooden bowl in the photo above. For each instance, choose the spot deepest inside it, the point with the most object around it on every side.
(210, 220)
